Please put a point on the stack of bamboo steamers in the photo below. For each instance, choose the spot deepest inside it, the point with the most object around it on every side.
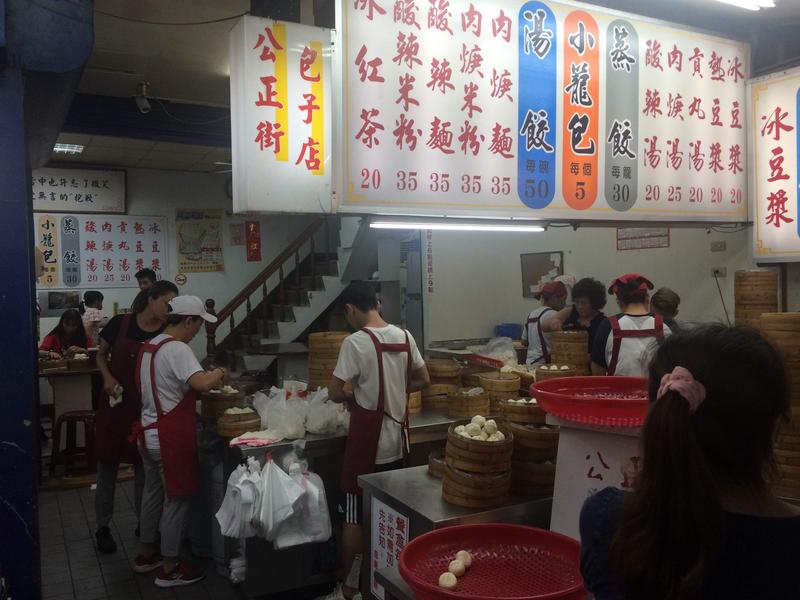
(445, 381)
(784, 331)
(323, 353)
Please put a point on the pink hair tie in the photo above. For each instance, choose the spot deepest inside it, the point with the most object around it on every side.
(683, 382)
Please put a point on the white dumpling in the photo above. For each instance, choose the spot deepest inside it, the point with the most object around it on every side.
(447, 581)
(465, 557)
(479, 420)
(500, 436)
(565, 368)
(473, 429)
(484, 436)
(493, 438)
(490, 427)
(464, 434)
(460, 429)
(457, 568)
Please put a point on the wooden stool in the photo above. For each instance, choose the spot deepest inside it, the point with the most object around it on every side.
(72, 450)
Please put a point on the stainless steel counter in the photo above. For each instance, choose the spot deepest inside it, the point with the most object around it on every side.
(414, 494)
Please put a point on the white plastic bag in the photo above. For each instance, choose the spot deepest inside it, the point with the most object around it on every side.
(323, 416)
(230, 511)
(312, 522)
(284, 416)
(280, 498)
(499, 348)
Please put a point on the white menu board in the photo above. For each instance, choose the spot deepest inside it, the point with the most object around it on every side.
(539, 110)
(98, 251)
(78, 190)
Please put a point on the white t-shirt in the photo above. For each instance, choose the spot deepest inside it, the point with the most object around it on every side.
(634, 353)
(175, 363)
(358, 364)
(530, 334)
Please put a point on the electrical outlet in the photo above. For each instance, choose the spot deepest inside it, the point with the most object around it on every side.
(718, 246)
(719, 272)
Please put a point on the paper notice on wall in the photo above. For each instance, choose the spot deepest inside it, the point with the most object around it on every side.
(389, 537)
(199, 234)
(429, 275)
(236, 231)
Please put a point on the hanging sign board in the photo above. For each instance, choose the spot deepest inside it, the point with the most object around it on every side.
(98, 251)
(539, 110)
(280, 116)
(78, 191)
(775, 101)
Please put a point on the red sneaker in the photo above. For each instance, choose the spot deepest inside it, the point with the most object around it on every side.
(145, 564)
(183, 574)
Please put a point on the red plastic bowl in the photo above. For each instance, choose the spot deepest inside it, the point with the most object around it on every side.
(611, 401)
(509, 562)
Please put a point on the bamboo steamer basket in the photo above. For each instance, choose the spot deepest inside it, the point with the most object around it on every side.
(440, 402)
(436, 464)
(449, 381)
(472, 490)
(754, 292)
(231, 426)
(443, 368)
(461, 406)
(326, 340)
(477, 456)
(212, 406)
(470, 375)
(533, 479)
(523, 413)
(543, 374)
(534, 442)
(414, 402)
(439, 389)
(500, 382)
(787, 457)
(570, 348)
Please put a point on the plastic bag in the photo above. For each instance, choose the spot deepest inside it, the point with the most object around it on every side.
(323, 416)
(501, 348)
(280, 498)
(285, 417)
(228, 515)
(312, 522)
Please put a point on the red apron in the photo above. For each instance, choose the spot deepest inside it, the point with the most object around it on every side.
(542, 341)
(114, 424)
(177, 432)
(365, 424)
(620, 334)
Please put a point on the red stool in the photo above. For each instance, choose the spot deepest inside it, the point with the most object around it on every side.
(72, 450)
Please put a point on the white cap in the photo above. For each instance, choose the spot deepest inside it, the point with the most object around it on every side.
(190, 306)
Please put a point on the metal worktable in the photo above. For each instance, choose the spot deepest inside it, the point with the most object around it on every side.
(415, 495)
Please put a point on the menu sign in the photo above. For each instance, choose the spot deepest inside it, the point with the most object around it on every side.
(540, 110)
(98, 250)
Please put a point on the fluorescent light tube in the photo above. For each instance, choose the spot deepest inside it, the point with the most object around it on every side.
(746, 4)
(442, 226)
(68, 148)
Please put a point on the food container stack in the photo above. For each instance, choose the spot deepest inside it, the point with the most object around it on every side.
(468, 402)
(533, 467)
(755, 292)
(414, 402)
(213, 404)
(445, 381)
(238, 421)
(500, 387)
(571, 348)
(554, 371)
(477, 464)
(471, 375)
(784, 331)
(323, 353)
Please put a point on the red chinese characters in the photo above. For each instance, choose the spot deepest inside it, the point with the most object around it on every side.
(369, 128)
(405, 133)
(441, 138)
(405, 12)
(469, 139)
(309, 107)
(471, 20)
(470, 94)
(696, 59)
(501, 84)
(651, 154)
(266, 98)
(407, 50)
(675, 154)
(439, 15)
(441, 73)
(675, 59)
(775, 123)
(307, 60)
(501, 141)
(370, 7)
(471, 60)
(501, 26)
(652, 103)
(312, 163)
(269, 136)
(697, 157)
(404, 92)
(675, 106)
(735, 159)
(652, 56)
(368, 68)
(267, 50)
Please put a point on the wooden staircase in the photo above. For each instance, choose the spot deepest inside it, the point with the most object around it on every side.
(284, 299)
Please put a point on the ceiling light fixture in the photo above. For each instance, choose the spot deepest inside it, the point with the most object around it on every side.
(450, 226)
(750, 4)
(68, 148)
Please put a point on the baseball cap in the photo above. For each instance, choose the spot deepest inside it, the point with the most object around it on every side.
(640, 282)
(190, 306)
(553, 288)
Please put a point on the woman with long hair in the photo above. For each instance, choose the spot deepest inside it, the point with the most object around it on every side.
(120, 406)
(68, 337)
(701, 521)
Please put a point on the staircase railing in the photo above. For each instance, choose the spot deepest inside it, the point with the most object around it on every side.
(291, 252)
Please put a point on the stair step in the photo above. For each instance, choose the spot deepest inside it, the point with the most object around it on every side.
(297, 297)
(283, 312)
(312, 284)
(272, 330)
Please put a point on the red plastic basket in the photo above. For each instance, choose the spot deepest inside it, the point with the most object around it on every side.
(610, 401)
(509, 562)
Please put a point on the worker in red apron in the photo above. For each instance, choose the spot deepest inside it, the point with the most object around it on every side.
(625, 342)
(168, 378)
(535, 334)
(120, 341)
(384, 365)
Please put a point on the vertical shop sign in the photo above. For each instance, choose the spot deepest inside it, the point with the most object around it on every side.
(389, 537)
(538, 49)
(280, 116)
(622, 115)
(70, 251)
(47, 241)
(581, 99)
(253, 241)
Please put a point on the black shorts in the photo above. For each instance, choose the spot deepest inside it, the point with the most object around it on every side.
(352, 505)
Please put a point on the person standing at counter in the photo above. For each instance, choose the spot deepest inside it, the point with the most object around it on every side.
(122, 338)
(589, 299)
(553, 296)
(383, 364)
(665, 302)
(168, 377)
(93, 319)
(146, 278)
(701, 521)
(624, 342)
(68, 337)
